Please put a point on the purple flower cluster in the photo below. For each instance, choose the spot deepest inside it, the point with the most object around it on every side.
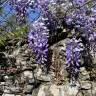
(21, 7)
(83, 20)
(74, 48)
(83, 17)
(79, 2)
(38, 41)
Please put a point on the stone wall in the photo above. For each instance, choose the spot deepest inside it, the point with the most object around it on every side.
(21, 76)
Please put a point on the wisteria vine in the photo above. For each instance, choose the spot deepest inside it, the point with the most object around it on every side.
(38, 41)
(57, 15)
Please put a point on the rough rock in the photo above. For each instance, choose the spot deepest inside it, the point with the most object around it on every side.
(28, 79)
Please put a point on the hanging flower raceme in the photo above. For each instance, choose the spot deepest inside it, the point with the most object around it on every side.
(38, 41)
(21, 7)
(74, 48)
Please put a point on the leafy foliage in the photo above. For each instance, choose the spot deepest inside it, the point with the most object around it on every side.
(18, 32)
